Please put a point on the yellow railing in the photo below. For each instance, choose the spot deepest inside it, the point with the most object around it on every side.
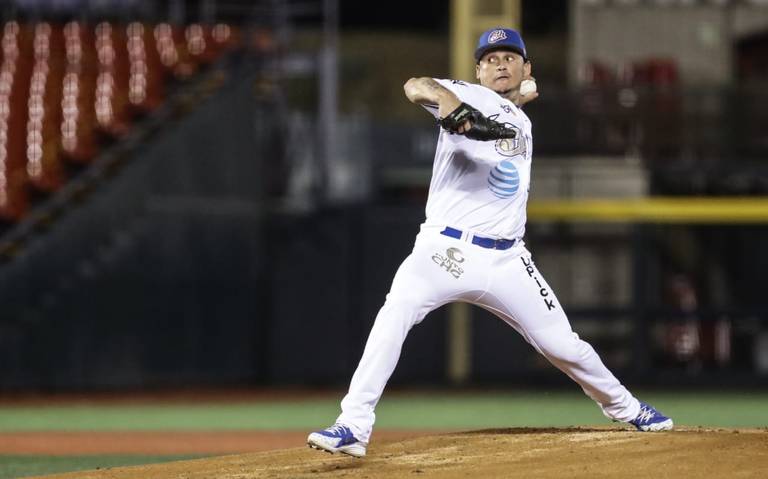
(688, 210)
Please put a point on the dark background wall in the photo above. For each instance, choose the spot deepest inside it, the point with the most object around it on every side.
(179, 270)
(183, 267)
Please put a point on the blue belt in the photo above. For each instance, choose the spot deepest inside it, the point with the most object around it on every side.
(479, 240)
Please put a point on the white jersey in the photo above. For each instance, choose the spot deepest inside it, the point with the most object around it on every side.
(482, 186)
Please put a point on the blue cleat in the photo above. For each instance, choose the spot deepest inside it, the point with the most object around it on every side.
(649, 419)
(337, 438)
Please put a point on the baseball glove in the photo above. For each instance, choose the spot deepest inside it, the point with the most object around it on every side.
(483, 128)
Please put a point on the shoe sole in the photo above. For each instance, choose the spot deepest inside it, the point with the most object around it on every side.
(667, 425)
(350, 450)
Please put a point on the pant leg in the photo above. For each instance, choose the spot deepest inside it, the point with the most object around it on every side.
(430, 277)
(381, 354)
(521, 296)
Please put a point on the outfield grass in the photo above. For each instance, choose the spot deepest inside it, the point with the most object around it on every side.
(21, 466)
(396, 411)
(444, 411)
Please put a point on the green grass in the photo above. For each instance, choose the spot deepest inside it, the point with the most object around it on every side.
(409, 411)
(446, 411)
(23, 466)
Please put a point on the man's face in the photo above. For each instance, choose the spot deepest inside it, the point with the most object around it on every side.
(502, 71)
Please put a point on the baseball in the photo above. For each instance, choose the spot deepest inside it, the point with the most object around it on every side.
(527, 87)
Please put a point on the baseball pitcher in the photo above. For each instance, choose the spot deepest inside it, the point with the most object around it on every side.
(470, 247)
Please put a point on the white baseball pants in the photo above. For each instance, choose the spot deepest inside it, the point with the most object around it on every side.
(441, 270)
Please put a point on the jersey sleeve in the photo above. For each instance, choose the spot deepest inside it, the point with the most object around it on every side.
(462, 89)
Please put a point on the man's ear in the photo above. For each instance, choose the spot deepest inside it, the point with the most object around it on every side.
(477, 71)
(526, 70)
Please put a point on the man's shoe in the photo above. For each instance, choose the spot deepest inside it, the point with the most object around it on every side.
(337, 438)
(650, 419)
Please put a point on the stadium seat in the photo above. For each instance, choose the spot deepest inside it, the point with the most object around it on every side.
(65, 88)
(43, 143)
(16, 75)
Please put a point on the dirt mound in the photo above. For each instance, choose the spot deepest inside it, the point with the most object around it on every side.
(540, 453)
(64, 443)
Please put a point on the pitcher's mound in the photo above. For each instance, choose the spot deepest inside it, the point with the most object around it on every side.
(540, 453)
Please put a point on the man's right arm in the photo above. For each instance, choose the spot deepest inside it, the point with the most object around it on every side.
(426, 91)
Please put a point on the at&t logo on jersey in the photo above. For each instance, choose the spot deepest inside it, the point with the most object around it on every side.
(504, 180)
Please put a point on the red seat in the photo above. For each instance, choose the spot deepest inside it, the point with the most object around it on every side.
(78, 94)
(17, 46)
(44, 110)
(62, 87)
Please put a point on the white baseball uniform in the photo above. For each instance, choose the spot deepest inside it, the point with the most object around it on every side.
(478, 194)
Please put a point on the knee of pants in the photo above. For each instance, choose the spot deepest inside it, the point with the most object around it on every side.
(398, 316)
(564, 348)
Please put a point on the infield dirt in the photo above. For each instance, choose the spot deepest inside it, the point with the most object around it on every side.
(507, 453)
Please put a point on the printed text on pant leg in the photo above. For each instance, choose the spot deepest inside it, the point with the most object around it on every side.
(528, 263)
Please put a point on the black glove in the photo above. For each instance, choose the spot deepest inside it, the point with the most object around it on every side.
(483, 128)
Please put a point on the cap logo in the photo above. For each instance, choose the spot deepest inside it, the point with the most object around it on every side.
(497, 35)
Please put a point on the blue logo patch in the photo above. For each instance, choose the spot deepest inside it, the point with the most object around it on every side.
(504, 179)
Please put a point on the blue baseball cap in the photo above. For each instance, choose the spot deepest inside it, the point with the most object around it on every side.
(500, 38)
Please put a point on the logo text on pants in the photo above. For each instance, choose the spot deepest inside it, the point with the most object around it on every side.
(543, 291)
(450, 262)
